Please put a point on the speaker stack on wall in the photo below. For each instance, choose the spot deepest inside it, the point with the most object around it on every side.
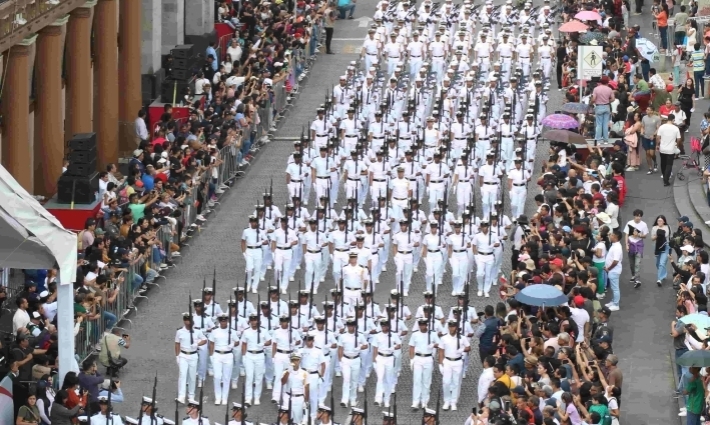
(181, 72)
(81, 181)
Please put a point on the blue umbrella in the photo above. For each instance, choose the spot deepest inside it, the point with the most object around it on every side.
(541, 295)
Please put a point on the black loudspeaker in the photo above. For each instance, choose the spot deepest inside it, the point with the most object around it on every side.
(80, 190)
(78, 169)
(82, 157)
(183, 51)
(182, 63)
(181, 74)
(174, 89)
(83, 142)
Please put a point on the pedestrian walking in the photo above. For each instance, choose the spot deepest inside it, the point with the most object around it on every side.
(635, 232)
(660, 233)
(613, 267)
(667, 138)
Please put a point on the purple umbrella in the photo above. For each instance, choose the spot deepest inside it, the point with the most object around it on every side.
(560, 122)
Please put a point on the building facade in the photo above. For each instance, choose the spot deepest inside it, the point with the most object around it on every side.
(78, 66)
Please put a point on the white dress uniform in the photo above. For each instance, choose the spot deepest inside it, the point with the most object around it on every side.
(372, 241)
(365, 325)
(239, 324)
(384, 365)
(187, 360)
(437, 182)
(483, 53)
(485, 260)
(530, 133)
(355, 279)
(313, 361)
(298, 174)
(203, 420)
(490, 175)
(324, 341)
(255, 240)
(266, 226)
(406, 242)
(205, 324)
(415, 49)
(341, 243)
(545, 52)
(294, 392)
(434, 244)
(341, 98)
(322, 167)
(422, 364)
(313, 244)
(505, 53)
(371, 47)
(224, 341)
(281, 351)
(379, 171)
(458, 244)
(253, 342)
(452, 366)
(392, 51)
(466, 179)
(284, 241)
(377, 130)
(320, 131)
(399, 189)
(524, 52)
(355, 185)
(115, 419)
(518, 192)
(351, 344)
(437, 50)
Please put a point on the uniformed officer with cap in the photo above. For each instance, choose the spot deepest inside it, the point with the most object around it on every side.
(350, 345)
(222, 342)
(107, 417)
(484, 244)
(325, 415)
(422, 347)
(452, 348)
(296, 393)
(148, 417)
(194, 416)
(430, 417)
(357, 416)
(282, 347)
(315, 363)
(384, 345)
(239, 415)
(187, 342)
(254, 340)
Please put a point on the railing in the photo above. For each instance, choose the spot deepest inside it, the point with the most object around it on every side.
(21, 18)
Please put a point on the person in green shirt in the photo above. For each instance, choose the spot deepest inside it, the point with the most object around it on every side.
(138, 205)
(695, 390)
(680, 19)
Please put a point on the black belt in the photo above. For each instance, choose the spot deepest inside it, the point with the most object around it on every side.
(284, 351)
(222, 352)
(459, 250)
(351, 135)
(412, 179)
(357, 356)
(353, 289)
(254, 246)
(485, 253)
(524, 57)
(313, 251)
(489, 183)
(187, 352)
(506, 57)
(451, 359)
(326, 177)
(314, 372)
(371, 54)
(379, 180)
(378, 138)
(322, 135)
(296, 181)
(436, 181)
(422, 355)
(518, 184)
(404, 252)
(483, 57)
(352, 179)
(439, 56)
(460, 138)
(434, 250)
(342, 249)
(295, 395)
(400, 199)
(415, 56)
(255, 352)
(392, 57)
(385, 355)
(546, 57)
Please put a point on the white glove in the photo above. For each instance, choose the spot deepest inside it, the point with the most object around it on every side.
(411, 364)
(453, 190)
(194, 346)
(461, 351)
(177, 360)
(441, 369)
(432, 346)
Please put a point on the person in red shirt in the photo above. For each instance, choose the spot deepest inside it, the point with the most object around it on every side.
(522, 404)
(620, 182)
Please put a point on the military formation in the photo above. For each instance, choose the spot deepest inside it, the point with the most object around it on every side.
(441, 113)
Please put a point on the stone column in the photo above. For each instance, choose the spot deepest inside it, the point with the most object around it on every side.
(48, 143)
(106, 49)
(129, 72)
(173, 24)
(78, 69)
(151, 34)
(15, 112)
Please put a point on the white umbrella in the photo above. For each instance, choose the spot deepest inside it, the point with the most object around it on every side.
(648, 50)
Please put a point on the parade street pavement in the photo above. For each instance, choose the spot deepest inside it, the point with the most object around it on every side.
(640, 327)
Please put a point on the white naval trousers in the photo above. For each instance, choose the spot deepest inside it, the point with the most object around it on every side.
(222, 365)
(187, 375)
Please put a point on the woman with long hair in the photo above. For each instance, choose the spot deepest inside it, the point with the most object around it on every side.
(686, 97)
(632, 141)
(45, 398)
(28, 413)
(662, 21)
(62, 413)
(660, 233)
(71, 385)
